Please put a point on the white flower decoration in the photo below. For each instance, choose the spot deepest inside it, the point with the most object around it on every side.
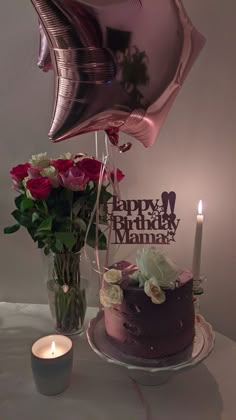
(111, 295)
(152, 263)
(112, 276)
(40, 160)
(51, 173)
(153, 290)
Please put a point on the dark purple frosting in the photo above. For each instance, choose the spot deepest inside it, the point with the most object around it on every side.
(143, 329)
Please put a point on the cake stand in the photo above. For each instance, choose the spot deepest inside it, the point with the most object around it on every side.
(149, 371)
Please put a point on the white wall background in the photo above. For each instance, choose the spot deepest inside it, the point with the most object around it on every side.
(194, 155)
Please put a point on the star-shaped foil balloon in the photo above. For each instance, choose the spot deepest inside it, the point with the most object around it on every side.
(118, 64)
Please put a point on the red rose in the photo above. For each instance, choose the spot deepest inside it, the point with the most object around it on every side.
(119, 175)
(62, 165)
(19, 172)
(91, 168)
(39, 188)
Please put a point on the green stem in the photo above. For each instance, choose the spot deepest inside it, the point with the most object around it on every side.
(45, 207)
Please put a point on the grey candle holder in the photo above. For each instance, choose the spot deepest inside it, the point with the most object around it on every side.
(52, 375)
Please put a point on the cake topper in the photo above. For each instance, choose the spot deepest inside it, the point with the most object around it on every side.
(144, 221)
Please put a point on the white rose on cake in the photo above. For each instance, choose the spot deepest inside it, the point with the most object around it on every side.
(111, 295)
(112, 276)
(153, 290)
(153, 263)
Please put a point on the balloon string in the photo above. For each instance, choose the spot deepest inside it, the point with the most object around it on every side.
(145, 405)
(95, 213)
(96, 144)
(109, 152)
(107, 159)
(108, 245)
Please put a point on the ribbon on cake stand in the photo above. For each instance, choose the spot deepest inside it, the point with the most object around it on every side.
(143, 401)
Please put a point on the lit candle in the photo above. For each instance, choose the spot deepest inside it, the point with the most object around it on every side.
(197, 246)
(51, 361)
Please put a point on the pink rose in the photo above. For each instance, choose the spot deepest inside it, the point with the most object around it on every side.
(19, 172)
(34, 172)
(118, 177)
(91, 167)
(39, 188)
(73, 179)
(62, 165)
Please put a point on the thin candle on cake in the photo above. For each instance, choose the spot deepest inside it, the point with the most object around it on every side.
(196, 267)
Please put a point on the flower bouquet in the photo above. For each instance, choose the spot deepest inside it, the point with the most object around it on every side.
(57, 202)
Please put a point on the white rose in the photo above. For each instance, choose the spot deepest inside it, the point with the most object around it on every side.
(28, 195)
(153, 290)
(51, 173)
(24, 182)
(152, 263)
(66, 155)
(41, 160)
(111, 295)
(80, 156)
(112, 276)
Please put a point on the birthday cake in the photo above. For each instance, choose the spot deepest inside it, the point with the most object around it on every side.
(148, 308)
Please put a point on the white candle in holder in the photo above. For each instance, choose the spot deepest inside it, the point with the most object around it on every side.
(198, 245)
(51, 361)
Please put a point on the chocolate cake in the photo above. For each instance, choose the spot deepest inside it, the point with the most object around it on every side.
(140, 328)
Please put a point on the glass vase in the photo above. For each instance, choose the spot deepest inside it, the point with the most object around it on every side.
(66, 290)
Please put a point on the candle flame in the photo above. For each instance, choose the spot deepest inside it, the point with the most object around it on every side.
(200, 207)
(53, 348)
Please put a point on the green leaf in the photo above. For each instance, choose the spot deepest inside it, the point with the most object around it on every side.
(18, 200)
(58, 245)
(105, 196)
(35, 217)
(81, 224)
(41, 244)
(32, 233)
(46, 225)
(102, 242)
(76, 207)
(46, 250)
(17, 215)
(91, 240)
(12, 229)
(68, 239)
(22, 219)
(26, 203)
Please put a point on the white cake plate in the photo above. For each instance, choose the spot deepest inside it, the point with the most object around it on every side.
(151, 371)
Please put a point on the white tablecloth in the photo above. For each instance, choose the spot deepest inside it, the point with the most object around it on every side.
(100, 391)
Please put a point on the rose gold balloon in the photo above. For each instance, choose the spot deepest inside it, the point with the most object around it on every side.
(118, 65)
(44, 61)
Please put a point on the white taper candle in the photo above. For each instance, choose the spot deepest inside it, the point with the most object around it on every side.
(198, 244)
